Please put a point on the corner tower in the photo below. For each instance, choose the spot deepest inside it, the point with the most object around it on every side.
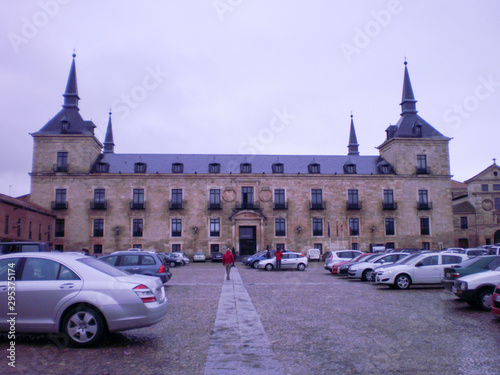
(413, 146)
(66, 144)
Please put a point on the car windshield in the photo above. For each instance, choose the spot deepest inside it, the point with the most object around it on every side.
(103, 267)
(408, 259)
(469, 262)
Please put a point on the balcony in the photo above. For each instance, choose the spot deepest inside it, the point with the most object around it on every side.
(59, 205)
(353, 206)
(389, 206)
(247, 206)
(176, 205)
(318, 206)
(215, 206)
(424, 205)
(280, 206)
(98, 205)
(60, 167)
(137, 205)
(424, 170)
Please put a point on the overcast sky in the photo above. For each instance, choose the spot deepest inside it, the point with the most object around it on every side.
(250, 76)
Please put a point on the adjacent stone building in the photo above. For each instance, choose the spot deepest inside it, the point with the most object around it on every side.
(476, 209)
(106, 201)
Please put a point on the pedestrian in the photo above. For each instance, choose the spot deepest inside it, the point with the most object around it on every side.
(228, 262)
(268, 254)
(278, 255)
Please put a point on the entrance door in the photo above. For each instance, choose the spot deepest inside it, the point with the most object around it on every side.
(497, 237)
(248, 240)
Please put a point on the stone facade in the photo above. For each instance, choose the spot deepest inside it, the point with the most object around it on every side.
(399, 198)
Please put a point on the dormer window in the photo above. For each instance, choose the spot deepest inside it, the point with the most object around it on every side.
(64, 126)
(350, 168)
(102, 168)
(417, 130)
(140, 167)
(177, 168)
(384, 167)
(278, 168)
(214, 168)
(314, 168)
(245, 168)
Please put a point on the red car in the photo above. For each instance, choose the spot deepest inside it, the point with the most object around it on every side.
(495, 305)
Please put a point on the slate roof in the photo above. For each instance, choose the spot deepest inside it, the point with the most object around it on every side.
(230, 163)
(462, 208)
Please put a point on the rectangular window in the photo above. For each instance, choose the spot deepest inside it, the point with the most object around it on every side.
(388, 203)
(99, 199)
(176, 248)
(423, 199)
(97, 249)
(280, 230)
(99, 228)
(176, 227)
(426, 245)
(62, 162)
(137, 227)
(177, 168)
(497, 203)
(214, 248)
(496, 187)
(354, 227)
(60, 199)
(59, 230)
(215, 227)
(484, 187)
(352, 199)
(354, 246)
(390, 228)
(464, 224)
(278, 168)
(422, 164)
(247, 196)
(6, 229)
(39, 232)
(279, 199)
(317, 199)
(30, 233)
(280, 246)
(18, 227)
(138, 199)
(425, 228)
(317, 226)
(176, 201)
(215, 203)
(48, 232)
(214, 168)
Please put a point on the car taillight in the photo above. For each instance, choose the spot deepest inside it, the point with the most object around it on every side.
(452, 275)
(144, 293)
(162, 269)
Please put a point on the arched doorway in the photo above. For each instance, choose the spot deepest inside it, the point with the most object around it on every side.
(497, 237)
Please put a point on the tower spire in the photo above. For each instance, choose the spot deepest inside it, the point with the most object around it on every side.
(109, 146)
(71, 93)
(353, 142)
(408, 102)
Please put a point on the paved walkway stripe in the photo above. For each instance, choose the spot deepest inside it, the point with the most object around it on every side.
(238, 343)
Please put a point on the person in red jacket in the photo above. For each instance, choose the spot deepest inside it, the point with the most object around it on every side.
(278, 255)
(228, 261)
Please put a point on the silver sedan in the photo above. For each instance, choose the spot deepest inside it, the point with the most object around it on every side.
(75, 295)
(290, 260)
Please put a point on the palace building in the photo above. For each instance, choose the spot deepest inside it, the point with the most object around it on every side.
(105, 201)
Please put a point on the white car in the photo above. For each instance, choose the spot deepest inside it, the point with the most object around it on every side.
(477, 289)
(290, 260)
(363, 270)
(339, 256)
(427, 268)
(199, 256)
(181, 256)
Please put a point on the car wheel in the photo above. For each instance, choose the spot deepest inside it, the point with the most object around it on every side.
(255, 264)
(402, 282)
(301, 267)
(367, 274)
(172, 264)
(84, 326)
(269, 267)
(485, 300)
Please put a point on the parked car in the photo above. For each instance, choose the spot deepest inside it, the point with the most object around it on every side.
(313, 254)
(290, 260)
(199, 256)
(427, 268)
(141, 262)
(343, 267)
(338, 256)
(477, 289)
(495, 305)
(217, 256)
(468, 267)
(172, 260)
(363, 270)
(253, 260)
(182, 256)
(22, 247)
(470, 252)
(402, 260)
(77, 296)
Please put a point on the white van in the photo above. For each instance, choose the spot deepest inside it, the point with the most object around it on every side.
(313, 254)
